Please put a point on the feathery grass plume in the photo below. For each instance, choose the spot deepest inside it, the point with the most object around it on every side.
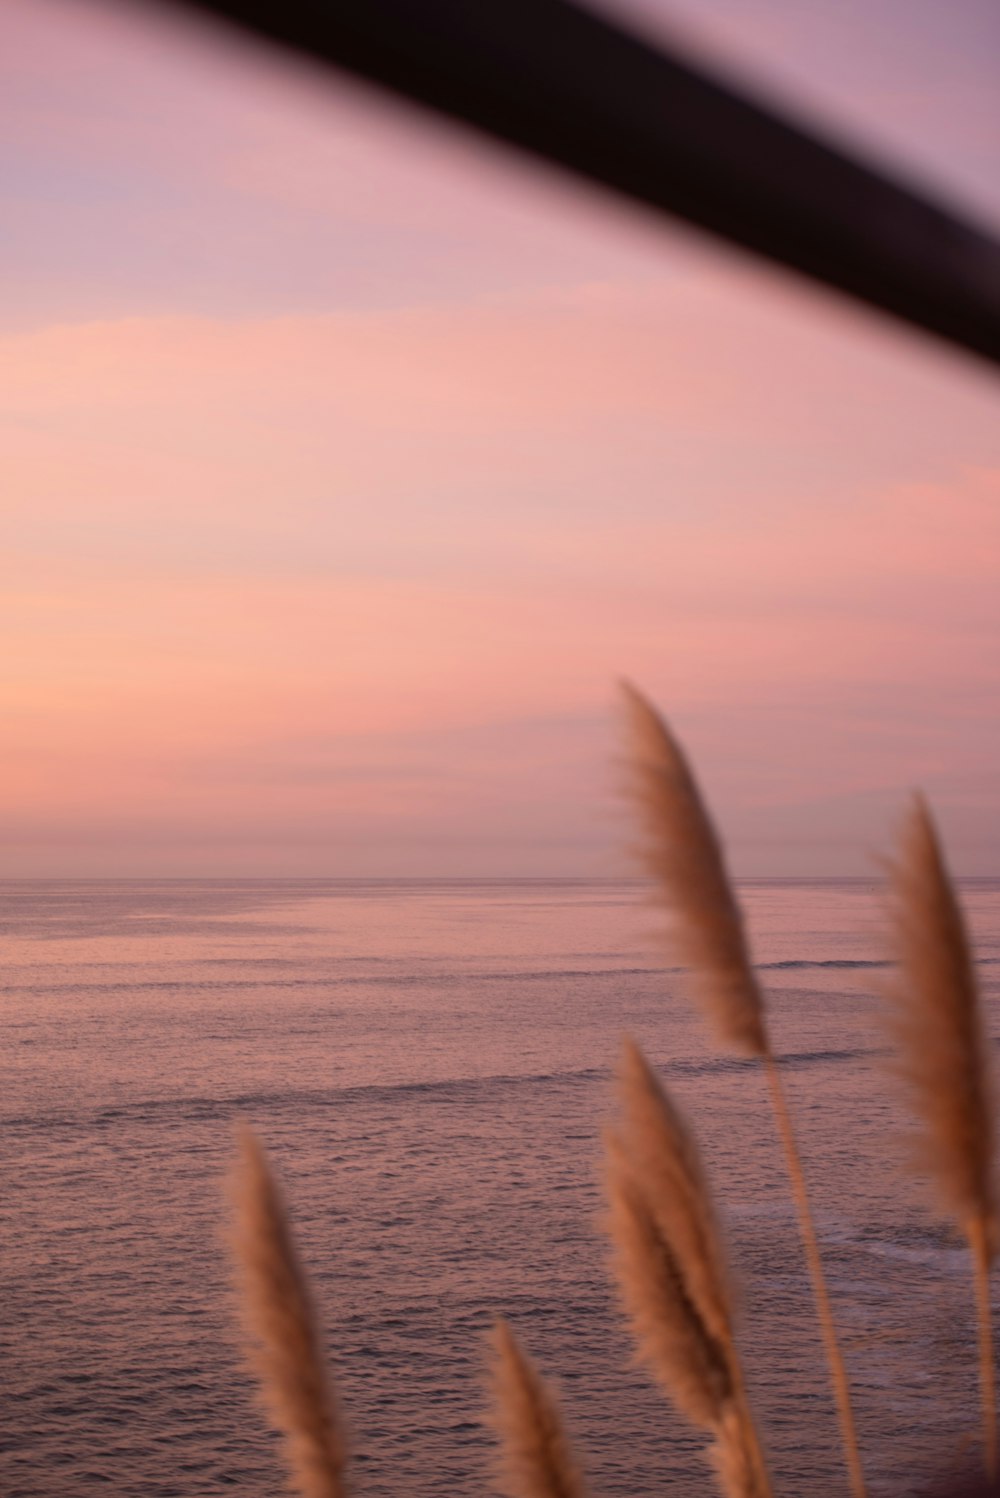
(673, 1341)
(682, 852)
(662, 1153)
(279, 1316)
(737, 1468)
(672, 1273)
(942, 1060)
(536, 1457)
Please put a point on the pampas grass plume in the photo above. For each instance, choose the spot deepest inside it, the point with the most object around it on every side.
(682, 853)
(672, 1273)
(536, 1461)
(663, 1154)
(673, 1340)
(941, 1058)
(285, 1340)
(938, 1029)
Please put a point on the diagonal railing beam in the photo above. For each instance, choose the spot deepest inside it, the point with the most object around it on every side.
(577, 90)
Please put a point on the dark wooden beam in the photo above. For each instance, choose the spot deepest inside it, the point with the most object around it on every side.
(577, 90)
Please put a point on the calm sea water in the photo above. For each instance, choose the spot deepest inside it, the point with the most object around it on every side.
(429, 1065)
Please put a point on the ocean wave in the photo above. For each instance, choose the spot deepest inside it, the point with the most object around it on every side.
(439, 979)
(406, 979)
(202, 1107)
(822, 962)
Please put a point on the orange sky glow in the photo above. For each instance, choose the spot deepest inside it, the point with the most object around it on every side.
(347, 464)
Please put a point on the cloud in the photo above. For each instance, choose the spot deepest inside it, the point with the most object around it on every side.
(443, 437)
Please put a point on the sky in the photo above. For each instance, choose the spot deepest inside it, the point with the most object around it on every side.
(349, 462)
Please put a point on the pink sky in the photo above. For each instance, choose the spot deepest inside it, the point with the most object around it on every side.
(347, 464)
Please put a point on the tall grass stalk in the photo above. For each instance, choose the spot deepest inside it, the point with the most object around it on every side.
(284, 1339)
(810, 1245)
(672, 1273)
(682, 852)
(536, 1460)
(941, 1058)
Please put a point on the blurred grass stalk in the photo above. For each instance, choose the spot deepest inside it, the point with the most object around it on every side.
(673, 1276)
(536, 1459)
(284, 1338)
(681, 850)
(941, 1059)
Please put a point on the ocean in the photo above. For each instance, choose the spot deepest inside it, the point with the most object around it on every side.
(430, 1066)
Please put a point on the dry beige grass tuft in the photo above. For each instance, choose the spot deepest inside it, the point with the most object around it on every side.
(681, 850)
(285, 1340)
(671, 1270)
(661, 1153)
(941, 1058)
(536, 1461)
